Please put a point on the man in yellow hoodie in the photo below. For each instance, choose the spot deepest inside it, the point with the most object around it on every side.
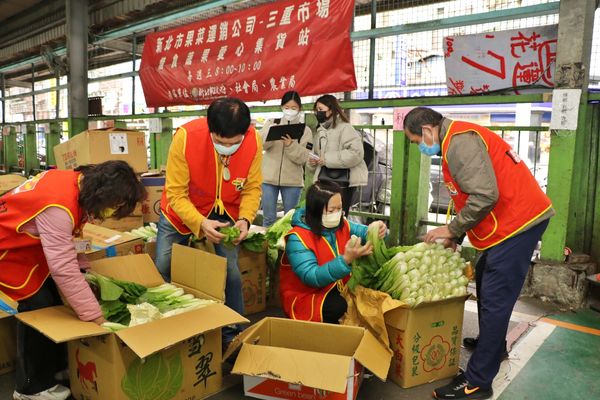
(213, 180)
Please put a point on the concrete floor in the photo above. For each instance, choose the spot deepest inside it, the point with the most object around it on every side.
(527, 334)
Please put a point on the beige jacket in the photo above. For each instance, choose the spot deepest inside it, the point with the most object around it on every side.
(283, 166)
(342, 147)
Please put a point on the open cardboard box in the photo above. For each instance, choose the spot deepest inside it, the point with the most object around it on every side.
(104, 242)
(10, 181)
(290, 359)
(8, 336)
(173, 358)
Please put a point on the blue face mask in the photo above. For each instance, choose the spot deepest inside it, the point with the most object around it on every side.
(226, 151)
(429, 150)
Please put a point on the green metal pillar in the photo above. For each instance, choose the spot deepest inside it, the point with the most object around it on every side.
(564, 173)
(52, 139)
(77, 125)
(11, 157)
(31, 154)
(410, 186)
(163, 142)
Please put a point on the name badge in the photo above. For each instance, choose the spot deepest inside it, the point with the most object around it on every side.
(82, 245)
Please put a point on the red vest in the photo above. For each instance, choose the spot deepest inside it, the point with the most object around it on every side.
(23, 267)
(521, 200)
(207, 189)
(299, 300)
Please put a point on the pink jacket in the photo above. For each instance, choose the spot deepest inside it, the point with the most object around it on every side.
(54, 227)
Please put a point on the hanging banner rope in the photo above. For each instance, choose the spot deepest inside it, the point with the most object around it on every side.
(254, 54)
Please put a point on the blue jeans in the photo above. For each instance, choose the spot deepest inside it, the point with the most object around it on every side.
(289, 194)
(234, 298)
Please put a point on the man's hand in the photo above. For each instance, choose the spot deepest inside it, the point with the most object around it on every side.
(438, 233)
(242, 225)
(210, 229)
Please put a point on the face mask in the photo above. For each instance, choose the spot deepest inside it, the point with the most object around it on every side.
(427, 149)
(289, 113)
(226, 151)
(321, 116)
(331, 220)
(107, 213)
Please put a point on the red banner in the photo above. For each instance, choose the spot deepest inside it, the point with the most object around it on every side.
(254, 54)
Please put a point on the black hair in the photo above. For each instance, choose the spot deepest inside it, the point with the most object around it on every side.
(111, 184)
(317, 198)
(228, 117)
(417, 117)
(331, 102)
(291, 96)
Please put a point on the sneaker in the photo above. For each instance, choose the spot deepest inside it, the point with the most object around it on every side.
(460, 388)
(470, 343)
(57, 392)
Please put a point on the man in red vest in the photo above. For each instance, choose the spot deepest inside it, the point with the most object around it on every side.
(213, 180)
(503, 211)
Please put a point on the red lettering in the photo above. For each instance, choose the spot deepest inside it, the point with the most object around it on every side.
(501, 73)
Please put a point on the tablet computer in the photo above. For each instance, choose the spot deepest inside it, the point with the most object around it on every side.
(295, 131)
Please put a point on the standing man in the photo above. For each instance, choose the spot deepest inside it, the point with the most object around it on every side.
(503, 211)
(213, 180)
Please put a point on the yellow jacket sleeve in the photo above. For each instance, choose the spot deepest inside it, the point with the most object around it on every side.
(250, 195)
(177, 184)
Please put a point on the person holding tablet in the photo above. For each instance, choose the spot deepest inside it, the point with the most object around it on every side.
(284, 157)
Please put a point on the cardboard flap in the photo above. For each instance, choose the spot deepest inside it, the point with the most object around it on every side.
(317, 370)
(60, 324)
(372, 354)
(242, 338)
(154, 336)
(137, 268)
(199, 270)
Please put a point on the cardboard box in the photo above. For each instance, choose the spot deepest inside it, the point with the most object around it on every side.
(289, 359)
(132, 221)
(9, 182)
(99, 145)
(106, 242)
(253, 267)
(425, 341)
(150, 249)
(8, 334)
(155, 186)
(173, 358)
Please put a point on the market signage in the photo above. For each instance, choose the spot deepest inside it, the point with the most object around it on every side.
(499, 60)
(254, 54)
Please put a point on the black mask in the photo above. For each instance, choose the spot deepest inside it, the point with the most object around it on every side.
(321, 117)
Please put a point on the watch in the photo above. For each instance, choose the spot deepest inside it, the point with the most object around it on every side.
(244, 219)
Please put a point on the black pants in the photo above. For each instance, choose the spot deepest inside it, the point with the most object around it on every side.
(347, 194)
(38, 358)
(334, 307)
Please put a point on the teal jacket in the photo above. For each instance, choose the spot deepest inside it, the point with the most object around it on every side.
(304, 261)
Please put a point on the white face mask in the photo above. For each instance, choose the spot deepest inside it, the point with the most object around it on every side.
(288, 113)
(331, 220)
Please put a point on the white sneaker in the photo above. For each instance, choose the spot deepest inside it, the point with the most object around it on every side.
(57, 392)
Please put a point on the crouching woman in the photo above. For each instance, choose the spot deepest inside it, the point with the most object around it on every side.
(318, 256)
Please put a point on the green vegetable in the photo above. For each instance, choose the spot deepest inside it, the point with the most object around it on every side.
(255, 241)
(279, 229)
(113, 327)
(231, 234)
(154, 378)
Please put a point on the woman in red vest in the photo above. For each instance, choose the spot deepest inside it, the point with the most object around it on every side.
(39, 221)
(503, 211)
(318, 258)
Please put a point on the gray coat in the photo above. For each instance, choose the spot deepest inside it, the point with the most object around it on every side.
(342, 147)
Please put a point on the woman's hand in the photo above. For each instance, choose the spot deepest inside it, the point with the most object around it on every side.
(286, 140)
(351, 253)
(99, 320)
(382, 228)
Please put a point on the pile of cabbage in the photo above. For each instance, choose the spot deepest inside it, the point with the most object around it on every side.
(412, 274)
